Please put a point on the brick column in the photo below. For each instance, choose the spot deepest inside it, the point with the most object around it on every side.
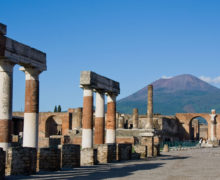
(213, 125)
(111, 119)
(87, 122)
(31, 113)
(149, 124)
(6, 86)
(135, 118)
(99, 118)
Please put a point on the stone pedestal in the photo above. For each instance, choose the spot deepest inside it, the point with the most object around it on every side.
(70, 156)
(147, 139)
(124, 152)
(2, 163)
(88, 157)
(48, 159)
(21, 161)
(106, 153)
(141, 150)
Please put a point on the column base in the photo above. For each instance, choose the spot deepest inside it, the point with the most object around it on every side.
(88, 157)
(106, 153)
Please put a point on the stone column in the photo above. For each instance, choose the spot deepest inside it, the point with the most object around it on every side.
(111, 119)
(149, 124)
(121, 122)
(31, 113)
(77, 119)
(135, 118)
(213, 125)
(6, 86)
(87, 122)
(99, 118)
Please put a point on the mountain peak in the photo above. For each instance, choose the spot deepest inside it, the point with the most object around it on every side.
(184, 82)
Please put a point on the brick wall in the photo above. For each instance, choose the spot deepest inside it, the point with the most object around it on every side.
(48, 159)
(2, 163)
(21, 161)
(70, 156)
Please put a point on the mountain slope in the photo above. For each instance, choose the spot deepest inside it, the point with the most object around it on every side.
(184, 93)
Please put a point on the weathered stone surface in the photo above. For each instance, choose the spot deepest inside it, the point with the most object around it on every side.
(88, 157)
(98, 82)
(124, 152)
(166, 148)
(142, 150)
(106, 153)
(21, 161)
(70, 156)
(2, 163)
(48, 159)
(149, 142)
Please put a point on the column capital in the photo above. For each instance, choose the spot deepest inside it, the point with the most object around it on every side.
(31, 73)
(6, 65)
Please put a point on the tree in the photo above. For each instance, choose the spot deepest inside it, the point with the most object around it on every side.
(59, 109)
(55, 109)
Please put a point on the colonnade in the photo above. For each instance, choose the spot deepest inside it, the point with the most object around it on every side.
(30, 136)
(87, 120)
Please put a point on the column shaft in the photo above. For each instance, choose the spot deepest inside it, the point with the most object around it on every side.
(31, 113)
(135, 118)
(99, 119)
(111, 119)
(87, 122)
(149, 124)
(6, 86)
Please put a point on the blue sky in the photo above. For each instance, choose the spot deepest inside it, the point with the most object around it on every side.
(133, 42)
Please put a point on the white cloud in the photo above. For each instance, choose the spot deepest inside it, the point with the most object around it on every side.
(166, 77)
(215, 80)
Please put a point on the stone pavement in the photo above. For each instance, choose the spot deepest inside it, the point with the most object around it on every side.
(194, 164)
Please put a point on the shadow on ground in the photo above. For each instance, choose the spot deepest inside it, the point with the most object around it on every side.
(100, 172)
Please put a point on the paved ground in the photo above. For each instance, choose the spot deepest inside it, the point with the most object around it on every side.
(196, 164)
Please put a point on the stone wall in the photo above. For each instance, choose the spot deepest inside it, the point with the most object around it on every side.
(141, 150)
(124, 152)
(70, 156)
(106, 153)
(21, 161)
(48, 159)
(2, 163)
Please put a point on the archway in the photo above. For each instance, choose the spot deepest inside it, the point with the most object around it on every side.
(198, 128)
(53, 126)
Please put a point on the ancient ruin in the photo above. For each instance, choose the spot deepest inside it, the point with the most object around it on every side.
(51, 141)
(33, 62)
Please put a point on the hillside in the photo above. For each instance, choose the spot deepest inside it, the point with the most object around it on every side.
(183, 93)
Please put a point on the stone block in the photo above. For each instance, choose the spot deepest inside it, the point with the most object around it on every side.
(2, 163)
(149, 142)
(70, 156)
(106, 153)
(88, 157)
(21, 161)
(165, 148)
(48, 159)
(141, 150)
(124, 152)
(3, 29)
